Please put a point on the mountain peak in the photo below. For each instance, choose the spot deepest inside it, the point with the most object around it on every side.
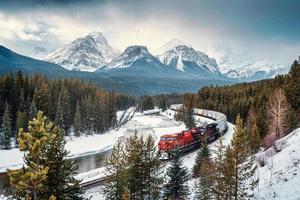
(136, 49)
(170, 45)
(98, 37)
(183, 57)
(88, 53)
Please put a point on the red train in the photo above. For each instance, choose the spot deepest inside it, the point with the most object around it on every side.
(187, 140)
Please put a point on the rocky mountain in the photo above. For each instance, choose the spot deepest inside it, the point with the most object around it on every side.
(84, 54)
(243, 68)
(39, 52)
(187, 59)
(137, 60)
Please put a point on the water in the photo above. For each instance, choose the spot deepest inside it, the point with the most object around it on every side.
(93, 161)
(85, 163)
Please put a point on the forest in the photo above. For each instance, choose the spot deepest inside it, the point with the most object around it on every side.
(77, 107)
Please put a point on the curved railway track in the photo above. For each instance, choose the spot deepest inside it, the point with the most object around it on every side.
(214, 115)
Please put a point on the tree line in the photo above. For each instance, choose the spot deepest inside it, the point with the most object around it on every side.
(256, 101)
(72, 104)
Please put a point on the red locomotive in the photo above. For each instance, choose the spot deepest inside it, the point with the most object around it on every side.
(186, 140)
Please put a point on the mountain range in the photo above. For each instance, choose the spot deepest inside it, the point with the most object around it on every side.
(175, 67)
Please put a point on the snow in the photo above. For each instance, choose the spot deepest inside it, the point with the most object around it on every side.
(284, 166)
(129, 56)
(84, 54)
(158, 125)
(169, 45)
(182, 53)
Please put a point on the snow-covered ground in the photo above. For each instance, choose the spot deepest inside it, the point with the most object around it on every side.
(157, 125)
(280, 177)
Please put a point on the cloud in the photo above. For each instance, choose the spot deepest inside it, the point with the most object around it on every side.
(257, 30)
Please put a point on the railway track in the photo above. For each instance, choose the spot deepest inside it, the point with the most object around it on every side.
(216, 116)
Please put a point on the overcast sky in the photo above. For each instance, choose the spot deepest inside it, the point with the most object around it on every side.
(261, 30)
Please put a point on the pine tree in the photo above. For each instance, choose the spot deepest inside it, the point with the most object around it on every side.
(254, 139)
(90, 116)
(32, 110)
(204, 184)
(239, 161)
(30, 180)
(151, 168)
(59, 117)
(20, 121)
(61, 171)
(115, 185)
(6, 132)
(189, 119)
(134, 156)
(77, 121)
(218, 177)
(177, 176)
(203, 156)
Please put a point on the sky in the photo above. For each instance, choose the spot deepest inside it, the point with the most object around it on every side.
(262, 31)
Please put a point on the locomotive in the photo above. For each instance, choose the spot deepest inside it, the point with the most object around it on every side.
(186, 140)
(193, 138)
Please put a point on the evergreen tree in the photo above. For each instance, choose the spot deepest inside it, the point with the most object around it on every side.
(203, 156)
(77, 121)
(177, 176)
(219, 185)
(59, 117)
(90, 115)
(115, 185)
(6, 132)
(151, 169)
(20, 122)
(189, 119)
(254, 139)
(30, 181)
(134, 156)
(32, 110)
(60, 180)
(204, 184)
(239, 162)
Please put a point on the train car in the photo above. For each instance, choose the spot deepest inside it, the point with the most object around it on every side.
(186, 140)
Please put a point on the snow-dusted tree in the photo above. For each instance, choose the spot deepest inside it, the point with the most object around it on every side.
(5, 131)
(278, 110)
(177, 177)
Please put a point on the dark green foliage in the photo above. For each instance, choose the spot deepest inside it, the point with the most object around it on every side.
(77, 121)
(134, 170)
(203, 156)
(5, 131)
(58, 100)
(146, 103)
(61, 171)
(177, 177)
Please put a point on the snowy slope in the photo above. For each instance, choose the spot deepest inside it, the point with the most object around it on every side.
(169, 45)
(129, 56)
(284, 167)
(84, 54)
(183, 57)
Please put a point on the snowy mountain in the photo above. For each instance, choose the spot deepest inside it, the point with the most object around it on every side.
(187, 59)
(138, 61)
(242, 68)
(130, 56)
(170, 45)
(39, 52)
(84, 54)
